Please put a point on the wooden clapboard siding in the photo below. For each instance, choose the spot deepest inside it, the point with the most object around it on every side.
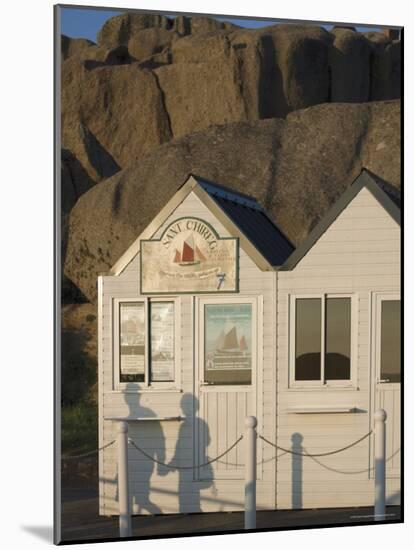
(390, 400)
(359, 254)
(179, 437)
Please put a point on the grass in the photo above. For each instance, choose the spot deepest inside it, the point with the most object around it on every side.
(79, 428)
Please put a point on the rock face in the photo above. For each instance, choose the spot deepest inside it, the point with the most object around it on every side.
(185, 25)
(74, 46)
(296, 167)
(151, 79)
(148, 42)
(74, 180)
(282, 112)
(92, 157)
(386, 71)
(119, 29)
(349, 58)
(121, 105)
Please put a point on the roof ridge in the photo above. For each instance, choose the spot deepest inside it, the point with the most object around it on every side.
(223, 190)
(393, 192)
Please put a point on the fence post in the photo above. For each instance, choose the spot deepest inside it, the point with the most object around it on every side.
(380, 417)
(250, 474)
(123, 488)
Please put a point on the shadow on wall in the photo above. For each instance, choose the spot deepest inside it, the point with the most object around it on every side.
(141, 467)
(189, 408)
(149, 436)
(298, 450)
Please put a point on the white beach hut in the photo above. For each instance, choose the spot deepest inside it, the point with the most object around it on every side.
(211, 315)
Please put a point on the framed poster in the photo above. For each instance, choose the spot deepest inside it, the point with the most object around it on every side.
(132, 341)
(162, 341)
(227, 343)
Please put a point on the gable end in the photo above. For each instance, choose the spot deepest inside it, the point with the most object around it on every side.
(383, 192)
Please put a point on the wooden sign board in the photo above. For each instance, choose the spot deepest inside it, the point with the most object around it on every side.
(190, 257)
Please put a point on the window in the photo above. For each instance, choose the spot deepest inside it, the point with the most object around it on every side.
(228, 343)
(147, 344)
(321, 339)
(308, 339)
(390, 341)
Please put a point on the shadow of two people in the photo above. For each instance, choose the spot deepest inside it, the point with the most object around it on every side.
(185, 459)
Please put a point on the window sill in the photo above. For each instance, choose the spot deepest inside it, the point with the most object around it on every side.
(151, 389)
(144, 418)
(321, 410)
(321, 388)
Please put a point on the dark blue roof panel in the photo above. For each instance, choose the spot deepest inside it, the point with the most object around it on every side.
(250, 217)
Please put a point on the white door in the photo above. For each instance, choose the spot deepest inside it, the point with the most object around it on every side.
(387, 349)
(226, 349)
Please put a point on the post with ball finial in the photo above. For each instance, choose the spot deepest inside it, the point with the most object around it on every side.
(123, 485)
(380, 417)
(250, 473)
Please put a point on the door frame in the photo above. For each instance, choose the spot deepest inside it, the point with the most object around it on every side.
(376, 300)
(256, 300)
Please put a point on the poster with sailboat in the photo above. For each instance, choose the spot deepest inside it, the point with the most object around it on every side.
(189, 257)
(228, 335)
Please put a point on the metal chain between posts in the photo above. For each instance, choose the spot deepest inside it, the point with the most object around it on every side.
(316, 454)
(90, 453)
(175, 467)
(352, 472)
(217, 458)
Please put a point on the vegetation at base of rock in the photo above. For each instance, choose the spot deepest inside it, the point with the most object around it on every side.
(79, 370)
(79, 428)
(79, 379)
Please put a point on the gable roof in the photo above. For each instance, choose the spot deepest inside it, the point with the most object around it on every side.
(387, 195)
(240, 214)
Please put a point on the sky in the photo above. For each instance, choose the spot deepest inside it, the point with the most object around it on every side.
(85, 23)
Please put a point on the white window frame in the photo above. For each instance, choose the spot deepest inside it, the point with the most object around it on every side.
(174, 384)
(322, 383)
(380, 297)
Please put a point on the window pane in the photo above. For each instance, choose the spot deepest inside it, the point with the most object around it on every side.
(308, 339)
(391, 340)
(162, 341)
(228, 343)
(132, 341)
(338, 339)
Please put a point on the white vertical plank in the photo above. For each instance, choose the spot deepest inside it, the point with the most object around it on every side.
(241, 414)
(231, 427)
(221, 433)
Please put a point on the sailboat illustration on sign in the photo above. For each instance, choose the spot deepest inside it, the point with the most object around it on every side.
(190, 253)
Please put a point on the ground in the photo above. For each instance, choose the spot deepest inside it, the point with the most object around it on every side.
(81, 522)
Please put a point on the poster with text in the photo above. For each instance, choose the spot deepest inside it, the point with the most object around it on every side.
(132, 339)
